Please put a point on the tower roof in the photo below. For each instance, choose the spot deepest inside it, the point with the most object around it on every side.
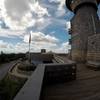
(68, 3)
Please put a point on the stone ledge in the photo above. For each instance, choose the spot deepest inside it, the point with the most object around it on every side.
(93, 65)
(32, 88)
(58, 73)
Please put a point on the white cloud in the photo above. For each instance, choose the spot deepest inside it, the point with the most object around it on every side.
(39, 10)
(22, 14)
(37, 46)
(14, 13)
(66, 45)
(42, 23)
(60, 12)
(63, 48)
(41, 37)
(2, 44)
(68, 25)
(38, 41)
(11, 33)
(18, 14)
(6, 47)
(61, 3)
(60, 9)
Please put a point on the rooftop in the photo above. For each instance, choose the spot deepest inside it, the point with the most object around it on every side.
(85, 87)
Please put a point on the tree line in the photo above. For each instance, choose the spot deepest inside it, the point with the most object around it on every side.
(10, 57)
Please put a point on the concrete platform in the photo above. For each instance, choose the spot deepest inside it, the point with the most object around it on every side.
(85, 87)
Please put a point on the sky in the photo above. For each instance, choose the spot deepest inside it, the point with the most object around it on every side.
(47, 21)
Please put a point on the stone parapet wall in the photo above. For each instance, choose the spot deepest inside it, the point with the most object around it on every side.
(78, 49)
(93, 53)
(28, 73)
(40, 56)
(55, 73)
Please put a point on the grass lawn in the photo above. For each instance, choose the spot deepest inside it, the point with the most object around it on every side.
(9, 88)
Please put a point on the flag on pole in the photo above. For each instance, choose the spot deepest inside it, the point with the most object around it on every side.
(30, 39)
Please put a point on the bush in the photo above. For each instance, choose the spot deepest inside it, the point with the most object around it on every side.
(10, 57)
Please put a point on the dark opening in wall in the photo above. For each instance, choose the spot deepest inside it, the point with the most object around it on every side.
(45, 62)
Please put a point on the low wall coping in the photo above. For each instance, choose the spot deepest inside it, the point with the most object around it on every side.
(32, 88)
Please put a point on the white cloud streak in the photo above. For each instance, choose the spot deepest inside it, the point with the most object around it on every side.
(40, 37)
(11, 33)
(36, 46)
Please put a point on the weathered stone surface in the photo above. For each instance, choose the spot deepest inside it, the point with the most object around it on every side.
(93, 53)
(84, 24)
(57, 73)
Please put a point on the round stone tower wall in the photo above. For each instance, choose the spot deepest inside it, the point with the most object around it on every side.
(83, 24)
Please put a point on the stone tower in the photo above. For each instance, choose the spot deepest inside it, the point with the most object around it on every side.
(84, 24)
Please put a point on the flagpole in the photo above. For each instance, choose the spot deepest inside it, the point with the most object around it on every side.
(29, 48)
(29, 52)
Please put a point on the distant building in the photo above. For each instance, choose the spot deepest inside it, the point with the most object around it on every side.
(43, 50)
(85, 30)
